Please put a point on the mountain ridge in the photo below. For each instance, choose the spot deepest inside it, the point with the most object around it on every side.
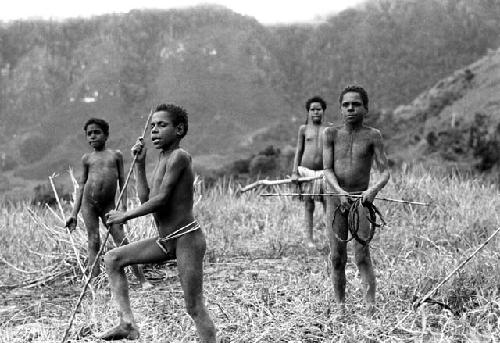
(244, 84)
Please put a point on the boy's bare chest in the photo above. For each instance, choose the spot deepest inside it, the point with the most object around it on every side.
(157, 176)
(353, 146)
(312, 136)
(99, 164)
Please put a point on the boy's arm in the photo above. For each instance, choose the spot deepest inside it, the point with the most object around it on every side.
(121, 180)
(140, 171)
(380, 161)
(176, 165)
(328, 161)
(142, 182)
(298, 153)
(72, 220)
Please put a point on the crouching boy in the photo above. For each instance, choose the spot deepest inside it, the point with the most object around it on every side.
(170, 200)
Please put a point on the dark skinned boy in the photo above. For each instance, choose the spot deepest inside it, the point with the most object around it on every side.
(308, 160)
(101, 170)
(349, 152)
(170, 200)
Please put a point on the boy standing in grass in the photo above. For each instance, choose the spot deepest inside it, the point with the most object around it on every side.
(96, 193)
(170, 200)
(308, 160)
(349, 152)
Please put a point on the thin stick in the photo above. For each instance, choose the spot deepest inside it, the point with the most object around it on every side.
(428, 295)
(73, 245)
(348, 195)
(51, 179)
(3, 260)
(103, 245)
(278, 182)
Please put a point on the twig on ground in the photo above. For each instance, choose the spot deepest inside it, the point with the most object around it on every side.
(22, 270)
(39, 281)
(431, 292)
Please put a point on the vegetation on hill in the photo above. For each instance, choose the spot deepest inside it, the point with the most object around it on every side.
(456, 121)
(243, 83)
(396, 48)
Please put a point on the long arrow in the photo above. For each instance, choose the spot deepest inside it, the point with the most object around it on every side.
(340, 195)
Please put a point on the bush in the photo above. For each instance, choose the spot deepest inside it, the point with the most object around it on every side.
(264, 165)
(241, 166)
(34, 148)
(270, 151)
(43, 194)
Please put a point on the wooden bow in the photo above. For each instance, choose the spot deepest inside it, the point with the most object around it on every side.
(277, 182)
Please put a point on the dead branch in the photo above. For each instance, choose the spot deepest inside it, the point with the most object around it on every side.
(73, 246)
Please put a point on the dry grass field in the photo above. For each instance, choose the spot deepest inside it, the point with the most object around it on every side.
(261, 283)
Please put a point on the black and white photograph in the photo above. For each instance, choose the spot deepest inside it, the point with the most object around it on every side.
(240, 171)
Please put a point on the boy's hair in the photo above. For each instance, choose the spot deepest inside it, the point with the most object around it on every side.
(316, 99)
(99, 122)
(357, 89)
(179, 115)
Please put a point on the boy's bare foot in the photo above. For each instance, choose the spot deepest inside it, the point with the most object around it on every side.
(128, 331)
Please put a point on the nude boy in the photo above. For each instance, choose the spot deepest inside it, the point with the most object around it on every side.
(170, 200)
(349, 152)
(101, 170)
(309, 160)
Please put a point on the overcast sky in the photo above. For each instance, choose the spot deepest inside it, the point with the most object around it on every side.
(265, 11)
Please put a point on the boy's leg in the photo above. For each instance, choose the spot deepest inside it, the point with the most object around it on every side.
(91, 220)
(120, 239)
(309, 212)
(145, 251)
(190, 252)
(337, 228)
(363, 259)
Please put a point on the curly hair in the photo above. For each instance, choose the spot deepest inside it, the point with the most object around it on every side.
(99, 122)
(316, 99)
(356, 89)
(179, 115)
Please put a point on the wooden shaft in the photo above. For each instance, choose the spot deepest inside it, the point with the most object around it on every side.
(278, 182)
(351, 195)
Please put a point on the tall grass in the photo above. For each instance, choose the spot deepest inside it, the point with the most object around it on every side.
(263, 285)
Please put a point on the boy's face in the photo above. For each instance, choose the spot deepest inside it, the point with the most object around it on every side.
(163, 131)
(316, 112)
(352, 109)
(96, 136)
